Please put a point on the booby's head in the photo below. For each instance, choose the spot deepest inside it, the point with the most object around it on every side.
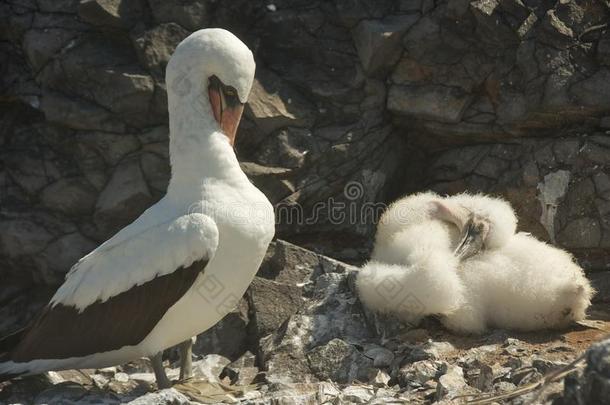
(210, 74)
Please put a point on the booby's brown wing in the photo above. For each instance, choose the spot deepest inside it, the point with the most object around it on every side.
(125, 319)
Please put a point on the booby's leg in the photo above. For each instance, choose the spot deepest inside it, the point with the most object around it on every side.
(157, 364)
(186, 359)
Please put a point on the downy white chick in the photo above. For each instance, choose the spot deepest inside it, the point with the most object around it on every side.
(459, 257)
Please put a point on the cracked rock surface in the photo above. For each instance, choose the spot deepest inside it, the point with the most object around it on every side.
(329, 349)
(382, 94)
(355, 102)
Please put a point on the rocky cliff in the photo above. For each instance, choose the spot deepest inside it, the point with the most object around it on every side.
(355, 103)
(300, 336)
(506, 97)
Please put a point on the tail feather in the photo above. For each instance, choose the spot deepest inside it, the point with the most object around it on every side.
(10, 341)
(7, 344)
(7, 377)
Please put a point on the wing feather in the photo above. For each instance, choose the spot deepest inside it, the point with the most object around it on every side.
(115, 267)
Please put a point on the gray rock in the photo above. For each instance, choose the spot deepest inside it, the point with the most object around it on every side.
(110, 13)
(547, 366)
(593, 387)
(60, 255)
(339, 361)
(601, 284)
(71, 393)
(210, 367)
(70, 196)
(155, 46)
(480, 376)
(42, 45)
(288, 263)
(438, 103)
(289, 148)
(418, 373)
(603, 49)
(111, 147)
(593, 91)
(274, 104)
(110, 77)
(54, 6)
(191, 14)
(379, 42)
(431, 350)
(125, 196)
(20, 237)
(242, 371)
(451, 384)
(357, 394)
(229, 337)
(271, 303)
(381, 356)
(162, 397)
(156, 170)
(76, 113)
(579, 233)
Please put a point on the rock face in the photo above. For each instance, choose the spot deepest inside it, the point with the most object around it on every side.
(354, 103)
(592, 385)
(329, 350)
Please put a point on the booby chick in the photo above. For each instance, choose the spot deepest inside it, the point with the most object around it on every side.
(186, 261)
(459, 257)
(523, 285)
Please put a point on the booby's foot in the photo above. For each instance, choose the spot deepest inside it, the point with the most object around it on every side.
(157, 364)
(473, 237)
(186, 359)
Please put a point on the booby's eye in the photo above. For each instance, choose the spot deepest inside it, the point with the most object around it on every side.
(231, 96)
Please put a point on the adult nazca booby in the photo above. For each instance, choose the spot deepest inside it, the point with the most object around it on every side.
(186, 261)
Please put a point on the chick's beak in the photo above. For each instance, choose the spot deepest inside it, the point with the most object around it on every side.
(226, 115)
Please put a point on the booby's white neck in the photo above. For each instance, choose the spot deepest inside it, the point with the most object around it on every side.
(198, 150)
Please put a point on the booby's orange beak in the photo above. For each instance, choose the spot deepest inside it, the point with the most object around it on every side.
(226, 107)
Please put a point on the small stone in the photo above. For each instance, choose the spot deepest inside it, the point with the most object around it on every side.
(357, 394)
(415, 336)
(480, 376)
(417, 374)
(340, 362)
(545, 366)
(210, 367)
(121, 377)
(162, 397)
(99, 380)
(431, 350)
(381, 378)
(107, 372)
(381, 356)
(451, 384)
